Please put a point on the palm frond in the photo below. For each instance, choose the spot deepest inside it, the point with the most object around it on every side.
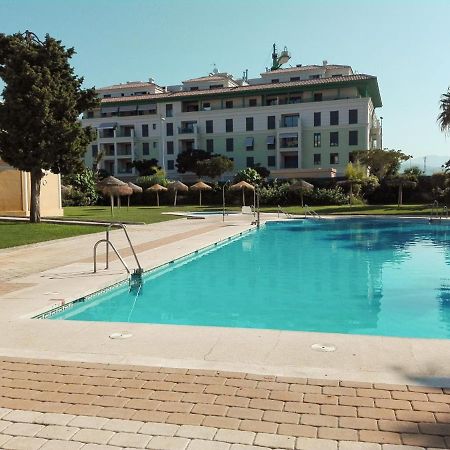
(444, 115)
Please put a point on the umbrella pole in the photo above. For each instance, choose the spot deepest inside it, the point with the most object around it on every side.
(200, 197)
(157, 198)
(128, 205)
(112, 204)
(243, 197)
(254, 201)
(175, 200)
(301, 197)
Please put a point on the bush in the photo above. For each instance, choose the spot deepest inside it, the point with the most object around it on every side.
(149, 180)
(81, 188)
(249, 175)
(324, 196)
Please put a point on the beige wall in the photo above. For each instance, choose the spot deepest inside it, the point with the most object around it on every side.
(15, 193)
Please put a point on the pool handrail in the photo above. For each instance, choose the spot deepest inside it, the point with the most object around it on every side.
(311, 212)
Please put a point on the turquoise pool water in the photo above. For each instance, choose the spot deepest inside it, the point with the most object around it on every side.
(385, 277)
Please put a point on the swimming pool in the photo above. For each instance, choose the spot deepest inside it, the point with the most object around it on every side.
(386, 277)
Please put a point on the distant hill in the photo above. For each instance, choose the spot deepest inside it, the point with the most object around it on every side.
(433, 163)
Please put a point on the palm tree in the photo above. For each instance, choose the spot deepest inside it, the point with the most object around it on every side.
(444, 115)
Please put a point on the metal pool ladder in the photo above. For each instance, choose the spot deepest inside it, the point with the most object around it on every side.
(136, 275)
(311, 212)
(288, 215)
(436, 213)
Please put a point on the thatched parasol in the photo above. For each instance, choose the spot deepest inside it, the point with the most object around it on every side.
(200, 186)
(136, 190)
(349, 183)
(156, 188)
(401, 181)
(109, 186)
(301, 186)
(242, 185)
(177, 186)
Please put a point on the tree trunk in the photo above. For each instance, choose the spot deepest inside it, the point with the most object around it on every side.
(400, 195)
(35, 207)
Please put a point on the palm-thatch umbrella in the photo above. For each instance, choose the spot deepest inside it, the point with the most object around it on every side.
(200, 186)
(177, 186)
(401, 181)
(242, 185)
(156, 188)
(301, 186)
(109, 186)
(136, 190)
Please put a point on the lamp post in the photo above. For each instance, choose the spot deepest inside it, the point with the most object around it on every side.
(381, 132)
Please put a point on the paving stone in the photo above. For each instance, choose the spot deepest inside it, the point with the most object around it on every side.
(23, 443)
(90, 436)
(196, 432)
(168, 443)
(344, 434)
(274, 440)
(60, 432)
(297, 430)
(198, 444)
(159, 429)
(88, 422)
(349, 445)
(315, 444)
(381, 437)
(126, 426)
(130, 440)
(401, 447)
(258, 426)
(54, 419)
(424, 440)
(4, 438)
(246, 447)
(235, 436)
(22, 416)
(54, 444)
(23, 429)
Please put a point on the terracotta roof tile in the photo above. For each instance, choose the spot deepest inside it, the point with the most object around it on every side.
(306, 68)
(139, 84)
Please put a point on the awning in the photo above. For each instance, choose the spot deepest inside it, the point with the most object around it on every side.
(109, 109)
(123, 108)
(270, 140)
(248, 141)
(107, 126)
(147, 107)
(288, 135)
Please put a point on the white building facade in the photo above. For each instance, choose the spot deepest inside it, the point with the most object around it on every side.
(303, 121)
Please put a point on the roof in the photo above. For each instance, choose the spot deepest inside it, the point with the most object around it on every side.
(207, 78)
(306, 68)
(137, 84)
(330, 82)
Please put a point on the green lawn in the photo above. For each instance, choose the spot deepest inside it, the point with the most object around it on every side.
(20, 233)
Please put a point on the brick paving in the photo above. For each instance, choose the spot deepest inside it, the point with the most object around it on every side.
(73, 405)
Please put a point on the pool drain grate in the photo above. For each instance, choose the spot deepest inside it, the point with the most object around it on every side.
(323, 347)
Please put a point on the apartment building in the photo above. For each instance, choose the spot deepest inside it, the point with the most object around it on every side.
(302, 121)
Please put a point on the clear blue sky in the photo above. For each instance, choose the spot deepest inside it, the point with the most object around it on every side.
(404, 43)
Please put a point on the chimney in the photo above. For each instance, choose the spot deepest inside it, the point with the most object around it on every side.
(324, 62)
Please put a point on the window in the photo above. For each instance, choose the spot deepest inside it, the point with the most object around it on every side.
(229, 104)
(206, 106)
(94, 150)
(317, 142)
(318, 97)
(271, 161)
(270, 142)
(154, 144)
(317, 159)
(317, 119)
(144, 130)
(228, 125)
(275, 80)
(353, 116)
(249, 124)
(334, 117)
(295, 79)
(194, 88)
(289, 120)
(209, 145)
(353, 137)
(352, 157)
(250, 161)
(334, 158)
(209, 126)
(90, 114)
(145, 148)
(154, 126)
(249, 143)
(288, 141)
(170, 164)
(170, 147)
(169, 110)
(230, 144)
(252, 102)
(314, 77)
(271, 122)
(334, 139)
(291, 162)
(215, 86)
(169, 129)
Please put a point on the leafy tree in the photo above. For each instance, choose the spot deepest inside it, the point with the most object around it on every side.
(381, 163)
(146, 167)
(42, 100)
(159, 177)
(250, 175)
(444, 115)
(414, 171)
(187, 159)
(82, 188)
(262, 171)
(358, 180)
(214, 167)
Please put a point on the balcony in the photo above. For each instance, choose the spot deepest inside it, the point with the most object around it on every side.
(188, 129)
(289, 121)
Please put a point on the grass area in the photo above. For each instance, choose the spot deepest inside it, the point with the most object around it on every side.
(415, 210)
(21, 233)
(146, 214)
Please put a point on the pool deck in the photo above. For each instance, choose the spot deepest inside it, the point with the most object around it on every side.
(346, 392)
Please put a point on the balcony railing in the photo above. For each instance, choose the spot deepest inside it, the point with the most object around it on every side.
(190, 129)
(289, 123)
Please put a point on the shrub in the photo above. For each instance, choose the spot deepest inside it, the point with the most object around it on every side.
(81, 189)
(249, 175)
(158, 178)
